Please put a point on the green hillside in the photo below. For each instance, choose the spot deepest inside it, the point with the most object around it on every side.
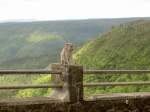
(36, 44)
(123, 47)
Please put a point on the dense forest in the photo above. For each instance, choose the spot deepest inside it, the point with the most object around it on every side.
(36, 44)
(119, 44)
(124, 47)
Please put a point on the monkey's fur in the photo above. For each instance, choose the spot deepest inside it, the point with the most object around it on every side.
(66, 54)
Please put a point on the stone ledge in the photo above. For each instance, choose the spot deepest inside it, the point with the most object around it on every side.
(97, 97)
(29, 101)
(117, 96)
(101, 104)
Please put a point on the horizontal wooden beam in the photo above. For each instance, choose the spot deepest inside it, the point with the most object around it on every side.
(35, 72)
(116, 71)
(84, 85)
(116, 84)
(30, 86)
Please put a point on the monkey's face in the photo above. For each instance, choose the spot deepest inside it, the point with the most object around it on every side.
(69, 47)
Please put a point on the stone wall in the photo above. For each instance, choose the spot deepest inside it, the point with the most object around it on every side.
(119, 105)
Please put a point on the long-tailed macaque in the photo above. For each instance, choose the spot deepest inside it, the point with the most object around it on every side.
(66, 54)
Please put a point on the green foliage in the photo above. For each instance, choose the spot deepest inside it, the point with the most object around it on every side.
(6, 80)
(36, 44)
(36, 92)
(37, 37)
(123, 47)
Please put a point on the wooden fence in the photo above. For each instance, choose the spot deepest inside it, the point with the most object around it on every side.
(67, 80)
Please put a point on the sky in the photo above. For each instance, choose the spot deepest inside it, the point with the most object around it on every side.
(72, 9)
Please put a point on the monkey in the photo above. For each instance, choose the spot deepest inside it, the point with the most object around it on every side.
(66, 54)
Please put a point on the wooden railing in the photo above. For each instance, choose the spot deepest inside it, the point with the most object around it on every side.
(68, 79)
(29, 72)
(116, 72)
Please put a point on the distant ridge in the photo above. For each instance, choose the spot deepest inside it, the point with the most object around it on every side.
(124, 47)
(35, 20)
(35, 44)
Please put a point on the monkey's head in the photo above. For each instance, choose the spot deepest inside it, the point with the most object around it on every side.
(69, 47)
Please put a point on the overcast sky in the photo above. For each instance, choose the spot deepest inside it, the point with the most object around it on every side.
(72, 9)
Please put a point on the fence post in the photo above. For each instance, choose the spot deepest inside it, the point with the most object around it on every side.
(72, 81)
(73, 77)
(56, 93)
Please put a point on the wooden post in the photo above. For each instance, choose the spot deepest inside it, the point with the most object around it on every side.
(56, 79)
(73, 77)
(72, 81)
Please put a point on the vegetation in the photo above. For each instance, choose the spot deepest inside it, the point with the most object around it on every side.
(35, 37)
(123, 47)
(36, 92)
(36, 44)
(15, 80)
